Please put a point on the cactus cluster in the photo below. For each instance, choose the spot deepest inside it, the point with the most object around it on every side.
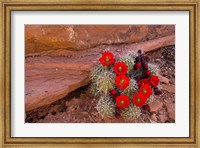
(124, 85)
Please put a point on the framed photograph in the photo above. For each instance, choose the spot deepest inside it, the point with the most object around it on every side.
(100, 73)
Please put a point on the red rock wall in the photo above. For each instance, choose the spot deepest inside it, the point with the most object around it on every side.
(40, 38)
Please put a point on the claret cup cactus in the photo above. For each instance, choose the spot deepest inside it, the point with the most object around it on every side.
(125, 86)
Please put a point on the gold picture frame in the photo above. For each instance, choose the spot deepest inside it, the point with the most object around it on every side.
(5, 55)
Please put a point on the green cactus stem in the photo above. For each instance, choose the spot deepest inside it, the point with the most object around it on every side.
(106, 107)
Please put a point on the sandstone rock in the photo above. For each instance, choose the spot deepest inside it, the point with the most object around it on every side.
(162, 111)
(53, 74)
(44, 86)
(155, 106)
(163, 118)
(163, 79)
(119, 120)
(170, 88)
(171, 110)
(153, 117)
(169, 100)
(108, 120)
(40, 38)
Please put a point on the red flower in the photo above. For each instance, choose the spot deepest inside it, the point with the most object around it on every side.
(107, 59)
(145, 90)
(122, 101)
(122, 81)
(139, 99)
(120, 68)
(154, 81)
(142, 82)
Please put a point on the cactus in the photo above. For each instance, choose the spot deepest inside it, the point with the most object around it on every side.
(106, 107)
(131, 89)
(154, 69)
(94, 89)
(96, 71)
(131, 113)
(105, 82)
(150, 99)
(129, 59)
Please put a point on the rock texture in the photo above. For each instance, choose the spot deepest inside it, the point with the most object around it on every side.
(40, 38)
(155, 105)
(51, 75)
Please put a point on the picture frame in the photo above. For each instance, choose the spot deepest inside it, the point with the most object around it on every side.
(120, 5)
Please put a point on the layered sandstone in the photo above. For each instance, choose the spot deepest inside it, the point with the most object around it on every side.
(40, 38)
